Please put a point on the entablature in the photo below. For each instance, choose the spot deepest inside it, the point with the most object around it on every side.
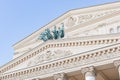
(63, 43)
(97, 57)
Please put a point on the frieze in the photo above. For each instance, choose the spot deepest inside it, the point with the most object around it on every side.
(87, 17)
(106, 26)
(50, 55)
(71, 21)
(82, 18)
(95, 42)
(74, 61)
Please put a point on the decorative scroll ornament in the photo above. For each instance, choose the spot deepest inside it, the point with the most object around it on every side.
(50, 35)
(60, 76)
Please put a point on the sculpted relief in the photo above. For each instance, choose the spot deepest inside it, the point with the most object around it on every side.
(49, 55)
(82, 18)
(87, 17)
(71, 21)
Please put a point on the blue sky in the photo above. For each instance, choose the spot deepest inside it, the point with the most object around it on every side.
(20, 18)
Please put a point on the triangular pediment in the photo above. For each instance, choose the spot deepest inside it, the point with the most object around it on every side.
(84, 29)
(59, 49)
(75, 20)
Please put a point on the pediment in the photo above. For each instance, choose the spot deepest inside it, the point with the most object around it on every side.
(77, 23)
(80, 23)
(75, 20)
(87, 26)
(86, 30)
(59, 49)
(101, 27)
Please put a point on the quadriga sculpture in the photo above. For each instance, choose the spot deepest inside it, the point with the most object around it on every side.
(43, 36)
(48, 34)
(56, 34)
(61, 31)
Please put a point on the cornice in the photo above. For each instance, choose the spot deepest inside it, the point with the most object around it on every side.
(82, 41)
(78, 60)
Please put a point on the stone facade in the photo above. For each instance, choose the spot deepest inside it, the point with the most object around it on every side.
(90, 49)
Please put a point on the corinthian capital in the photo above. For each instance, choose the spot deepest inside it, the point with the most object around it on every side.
(117, 63)
(60, 76)
(88, 71)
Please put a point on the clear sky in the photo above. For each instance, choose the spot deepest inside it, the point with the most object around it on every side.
(20, 18)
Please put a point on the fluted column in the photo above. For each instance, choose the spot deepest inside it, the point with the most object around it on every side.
(60, 76)
(117, 64)
(89, 73)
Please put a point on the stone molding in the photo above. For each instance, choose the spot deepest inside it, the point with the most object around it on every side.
(60, 76)
(75, 61)
(113, 38)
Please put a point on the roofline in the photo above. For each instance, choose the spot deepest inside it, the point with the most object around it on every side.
(61, 16)
(42, 27)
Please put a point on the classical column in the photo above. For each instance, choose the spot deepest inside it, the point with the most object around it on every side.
(60, 76)
(117, 64)
(89, 73)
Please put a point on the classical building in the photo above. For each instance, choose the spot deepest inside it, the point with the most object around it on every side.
(82, 44)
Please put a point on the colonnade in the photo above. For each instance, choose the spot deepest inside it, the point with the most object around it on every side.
(88, 72)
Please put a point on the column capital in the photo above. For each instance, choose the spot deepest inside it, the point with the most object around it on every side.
(117, 63)
(60, 76)
(88, 71)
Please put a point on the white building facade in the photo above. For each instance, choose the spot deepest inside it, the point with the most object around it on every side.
(89, 50)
